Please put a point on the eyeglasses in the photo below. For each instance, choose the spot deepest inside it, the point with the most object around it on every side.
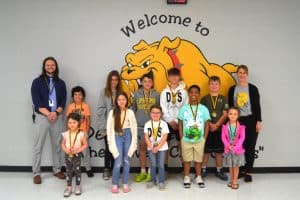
(156, 113)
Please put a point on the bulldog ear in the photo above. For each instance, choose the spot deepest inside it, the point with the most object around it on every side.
(166, 43)
(140, 46)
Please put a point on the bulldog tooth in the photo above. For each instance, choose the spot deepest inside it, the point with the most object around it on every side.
(139, 81)
(126, 82)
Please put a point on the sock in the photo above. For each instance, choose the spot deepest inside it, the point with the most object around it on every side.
(143, 170)
(204, 168)
(219, 169)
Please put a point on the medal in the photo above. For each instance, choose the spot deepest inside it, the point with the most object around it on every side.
(214, 114)
(174, 96)
(214, 106)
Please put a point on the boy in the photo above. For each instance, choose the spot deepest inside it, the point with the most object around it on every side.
(143, 99)
(217, 106)
(172, 98)
(79, 106)
(193, 129)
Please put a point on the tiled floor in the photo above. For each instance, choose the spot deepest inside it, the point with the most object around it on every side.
(265, 186)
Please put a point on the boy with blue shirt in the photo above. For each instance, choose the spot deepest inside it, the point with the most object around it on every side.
(193, 129)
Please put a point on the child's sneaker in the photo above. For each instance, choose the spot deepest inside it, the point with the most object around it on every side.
(77, 190)
(68, 191)
(200, 182)
(161, 186)
(140, 177)
(106, 174)
(187, 182)
(150, 185)
(221, 175)
(126, 188)
(114, 189)
(148, 177)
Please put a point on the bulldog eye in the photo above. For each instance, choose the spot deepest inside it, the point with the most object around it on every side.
(146, 64)
(129, 65)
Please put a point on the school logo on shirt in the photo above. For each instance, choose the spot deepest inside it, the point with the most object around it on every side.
(160, 56)
(178, 97)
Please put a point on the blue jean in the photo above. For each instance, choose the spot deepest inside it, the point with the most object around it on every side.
(123, 143)
(157, 160)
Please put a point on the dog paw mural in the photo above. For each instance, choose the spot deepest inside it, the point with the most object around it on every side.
(157, 58)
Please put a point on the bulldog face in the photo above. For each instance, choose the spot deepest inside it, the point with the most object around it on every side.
(146, 59)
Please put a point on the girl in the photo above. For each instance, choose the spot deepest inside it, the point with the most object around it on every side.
(233, 135)
(143, 99)
(156, 133)
(105, 104)
(73, 143)
(122, 139)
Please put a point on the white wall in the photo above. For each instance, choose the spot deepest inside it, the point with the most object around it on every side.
(85, 38)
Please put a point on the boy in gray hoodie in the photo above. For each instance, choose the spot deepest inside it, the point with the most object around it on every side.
(143, 99)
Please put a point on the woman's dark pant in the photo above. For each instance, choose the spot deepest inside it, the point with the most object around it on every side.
(250, 142)
(108, 158)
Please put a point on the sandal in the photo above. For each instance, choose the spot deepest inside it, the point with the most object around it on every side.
(235, 186)
(229, 184)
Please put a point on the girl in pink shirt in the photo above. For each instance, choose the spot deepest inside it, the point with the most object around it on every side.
(233, 136)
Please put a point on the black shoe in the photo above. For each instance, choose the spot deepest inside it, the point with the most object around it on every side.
(90, 173)
(248, 178)
(221, 175)
(106, 174)
(241, 174)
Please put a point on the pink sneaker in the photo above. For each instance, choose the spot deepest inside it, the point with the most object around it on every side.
(114, 189)
(126, 188)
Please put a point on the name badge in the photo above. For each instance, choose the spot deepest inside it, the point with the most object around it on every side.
(51, 103)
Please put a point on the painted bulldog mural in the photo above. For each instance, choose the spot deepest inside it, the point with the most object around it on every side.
(157, 58)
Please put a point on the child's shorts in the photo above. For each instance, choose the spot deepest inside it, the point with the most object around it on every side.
(214, 143)
(192, 151)
(173, 134)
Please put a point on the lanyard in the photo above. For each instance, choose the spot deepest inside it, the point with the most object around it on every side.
(123, 121)
(80, 108)
(173, 95)
(214, 102)
(155, 133)
(232, 133)
(194, 113)
(70, 138)
(48, 86)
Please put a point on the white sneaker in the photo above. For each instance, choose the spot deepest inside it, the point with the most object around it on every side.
(68, 192)
(200, 182)
(186, 182)
(77, 190)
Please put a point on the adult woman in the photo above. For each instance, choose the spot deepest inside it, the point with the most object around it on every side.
(105, 104)
(246, 97)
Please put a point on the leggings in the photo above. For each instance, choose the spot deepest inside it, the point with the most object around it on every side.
(73, 165)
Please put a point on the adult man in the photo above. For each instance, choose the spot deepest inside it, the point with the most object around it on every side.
(48, 93)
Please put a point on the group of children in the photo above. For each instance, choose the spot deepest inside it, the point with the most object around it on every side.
(200, 128)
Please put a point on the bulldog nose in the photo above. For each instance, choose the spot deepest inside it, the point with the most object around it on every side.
(129, 71)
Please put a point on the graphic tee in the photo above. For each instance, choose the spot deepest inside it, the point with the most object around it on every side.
(193, 118)
(156, 133)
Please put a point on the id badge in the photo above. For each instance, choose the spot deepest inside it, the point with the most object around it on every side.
(51, 103)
